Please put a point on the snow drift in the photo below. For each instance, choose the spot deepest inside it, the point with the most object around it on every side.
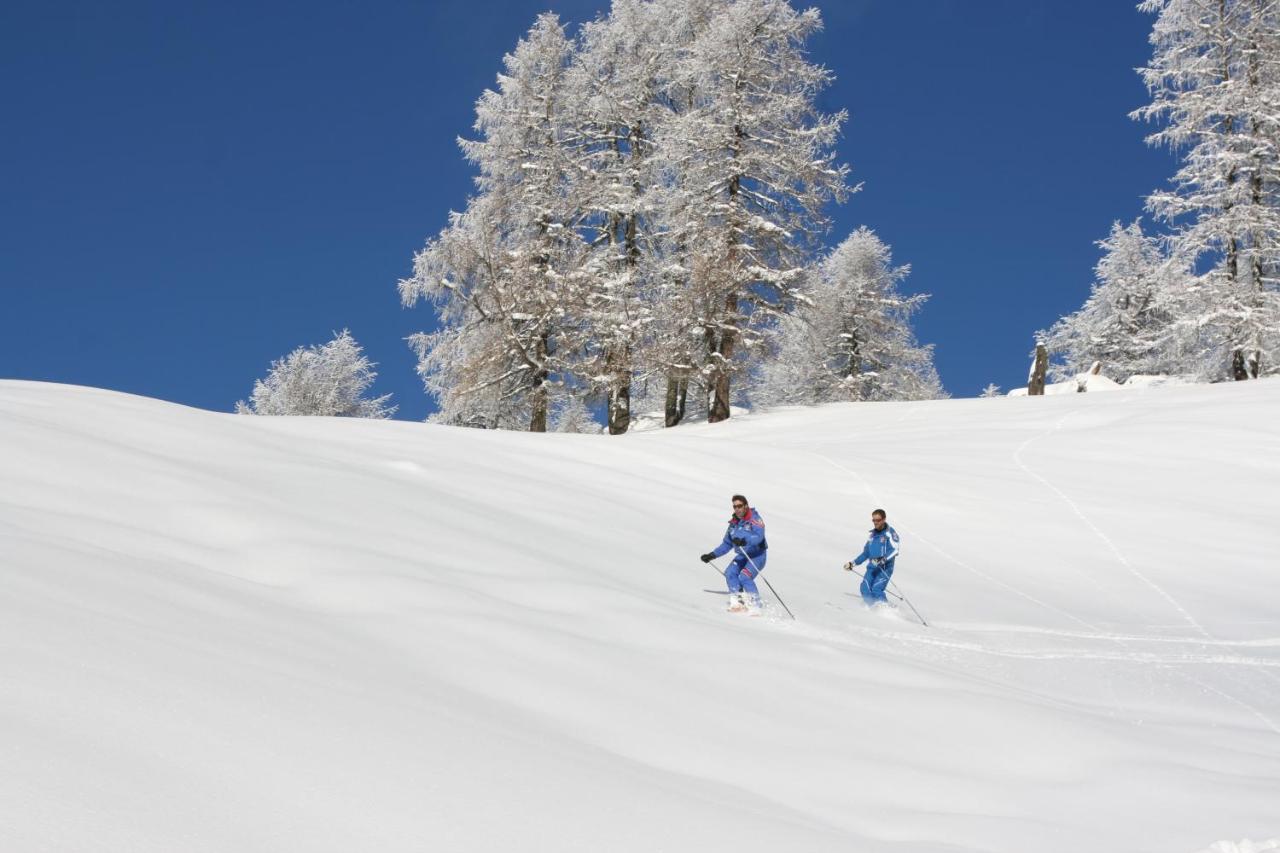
(225, 633)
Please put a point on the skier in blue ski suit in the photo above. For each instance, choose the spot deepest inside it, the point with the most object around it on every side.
(744, 535)
(882, 551)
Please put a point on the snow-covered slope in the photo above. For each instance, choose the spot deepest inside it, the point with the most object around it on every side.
(223, 633)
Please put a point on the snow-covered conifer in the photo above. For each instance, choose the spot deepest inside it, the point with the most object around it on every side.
(468, 367)
(649, 195)
(992, 390)
(749, 164)
(850, 337)
(328, 380)
(617, 102)
(1214, 78)
(571, 414)
(504, 274)
(1127, 323)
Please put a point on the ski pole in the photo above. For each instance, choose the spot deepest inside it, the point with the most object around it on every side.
(718, 570)
(909, 604)
(766, 582)
(898, 595)
(864, 577)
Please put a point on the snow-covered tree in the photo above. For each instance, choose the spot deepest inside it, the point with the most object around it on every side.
(749, 165)
(675, 348)
(992, 390)
(850, 337)
(613, 80)
(1214, 78)
(620, 98)
(328, 380)
(1127, 323)
(649, 195)
(504, 274)
(627, 91)
(467, 366)
(571, 414)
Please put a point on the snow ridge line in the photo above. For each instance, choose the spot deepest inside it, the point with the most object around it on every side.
(1115, 551)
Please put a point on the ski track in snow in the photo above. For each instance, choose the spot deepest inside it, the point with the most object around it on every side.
(1262, 642)
(1124, 561)
(1115, 699)
(956, 560)
(1230, 698)
(1088, 522)
(1094, 630)
(1128, 652)
(871, 493)
(941, 551)
(1079, 654)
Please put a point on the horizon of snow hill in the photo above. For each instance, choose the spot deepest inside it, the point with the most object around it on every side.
(223, 632)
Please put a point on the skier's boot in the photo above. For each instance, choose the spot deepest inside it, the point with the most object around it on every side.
(736, 604)
(752, 605)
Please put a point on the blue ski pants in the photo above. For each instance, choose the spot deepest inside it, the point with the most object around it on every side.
(875, 581)
(741, 577)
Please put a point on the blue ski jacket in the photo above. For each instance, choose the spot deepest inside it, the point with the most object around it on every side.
(882, 545)
(751, 528)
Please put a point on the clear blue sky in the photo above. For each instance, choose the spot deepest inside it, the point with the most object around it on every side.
(189, 190)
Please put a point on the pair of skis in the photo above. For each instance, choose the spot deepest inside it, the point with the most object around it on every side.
(757, 571)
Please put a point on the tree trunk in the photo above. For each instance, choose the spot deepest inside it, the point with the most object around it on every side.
(677, 395)
(853, 365)
(620, 410)
(538, 397)
(1239, 371)
(723, 356)
(620, 394)
(1252, 363)
(1233, 243)
(620, 398)
(719, 407)
(719, 399)
(538, 420)
(1035, 384)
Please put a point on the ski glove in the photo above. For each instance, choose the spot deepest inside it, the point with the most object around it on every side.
(739, 541)
(707, 558)
(848, 567)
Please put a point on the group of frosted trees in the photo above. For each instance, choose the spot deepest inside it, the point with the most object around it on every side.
(1202, 297)
(645, 228)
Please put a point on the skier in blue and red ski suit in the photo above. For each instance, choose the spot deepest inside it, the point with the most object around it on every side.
(745, 535)
(882, 550)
